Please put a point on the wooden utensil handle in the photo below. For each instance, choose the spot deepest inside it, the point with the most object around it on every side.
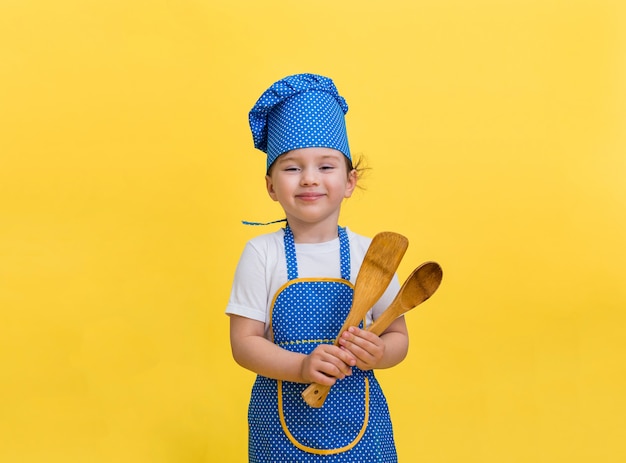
(315, 394)
(382, 323)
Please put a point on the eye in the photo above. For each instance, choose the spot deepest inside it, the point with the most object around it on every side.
(291, 169)
(327, 167)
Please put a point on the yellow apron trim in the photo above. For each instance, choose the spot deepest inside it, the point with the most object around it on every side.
(324, 451)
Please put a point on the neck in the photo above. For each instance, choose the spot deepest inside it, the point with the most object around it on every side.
(313, 233)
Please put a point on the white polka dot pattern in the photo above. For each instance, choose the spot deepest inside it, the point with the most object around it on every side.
(305, 314)
(299, 111)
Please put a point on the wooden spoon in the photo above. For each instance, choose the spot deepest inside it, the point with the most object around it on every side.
(379, 265)
(418, 287)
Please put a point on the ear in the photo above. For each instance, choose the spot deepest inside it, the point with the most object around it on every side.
(269, 184)
(353, 177)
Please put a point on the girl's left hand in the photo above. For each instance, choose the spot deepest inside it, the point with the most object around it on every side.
(367, 347)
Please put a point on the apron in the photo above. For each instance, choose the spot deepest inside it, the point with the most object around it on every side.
(353, 425)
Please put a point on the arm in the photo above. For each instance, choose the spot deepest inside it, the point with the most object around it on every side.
(253, 351)
(372, 351)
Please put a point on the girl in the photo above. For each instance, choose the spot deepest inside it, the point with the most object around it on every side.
(293, 289)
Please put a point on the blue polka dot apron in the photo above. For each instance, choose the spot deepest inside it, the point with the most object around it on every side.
(353, 425)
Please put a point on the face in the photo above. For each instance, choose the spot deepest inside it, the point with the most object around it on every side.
(310, 184)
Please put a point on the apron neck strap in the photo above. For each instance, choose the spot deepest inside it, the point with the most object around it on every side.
(292, 262)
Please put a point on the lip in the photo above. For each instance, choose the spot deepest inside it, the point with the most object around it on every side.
(309, 196)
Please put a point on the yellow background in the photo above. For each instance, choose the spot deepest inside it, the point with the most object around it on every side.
(496, 135)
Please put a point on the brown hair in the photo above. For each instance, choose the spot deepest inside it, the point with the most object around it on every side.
(360, 166)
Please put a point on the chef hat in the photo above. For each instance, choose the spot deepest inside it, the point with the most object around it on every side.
(299, 111)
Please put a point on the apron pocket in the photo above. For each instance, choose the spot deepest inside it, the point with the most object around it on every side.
(335, 427)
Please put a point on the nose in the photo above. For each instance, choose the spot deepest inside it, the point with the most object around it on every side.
(309, 177)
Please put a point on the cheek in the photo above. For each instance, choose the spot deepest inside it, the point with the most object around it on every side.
(280, 185)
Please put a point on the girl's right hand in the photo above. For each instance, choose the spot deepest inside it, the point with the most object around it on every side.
(326, 364)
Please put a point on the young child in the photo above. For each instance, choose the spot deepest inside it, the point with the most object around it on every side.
(293, 289)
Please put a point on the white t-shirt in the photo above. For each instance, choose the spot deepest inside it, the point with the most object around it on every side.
(262, 270)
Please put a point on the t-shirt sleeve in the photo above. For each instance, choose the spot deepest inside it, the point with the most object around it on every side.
(248, 296)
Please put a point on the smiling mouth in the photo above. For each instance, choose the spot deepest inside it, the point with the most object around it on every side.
(309, 196)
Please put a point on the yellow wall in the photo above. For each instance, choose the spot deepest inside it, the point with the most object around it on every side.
(496, 133)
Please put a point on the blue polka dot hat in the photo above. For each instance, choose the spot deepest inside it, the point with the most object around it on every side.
(299, 111)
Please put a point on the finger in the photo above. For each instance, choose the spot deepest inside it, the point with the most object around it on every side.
(322, 379)
(334, 361)
(363, 350)
(335, 368)
(351, 340)
(358, 333)
(344, 356)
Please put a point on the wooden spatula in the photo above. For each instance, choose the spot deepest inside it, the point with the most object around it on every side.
(379, 265)
(419, 286)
